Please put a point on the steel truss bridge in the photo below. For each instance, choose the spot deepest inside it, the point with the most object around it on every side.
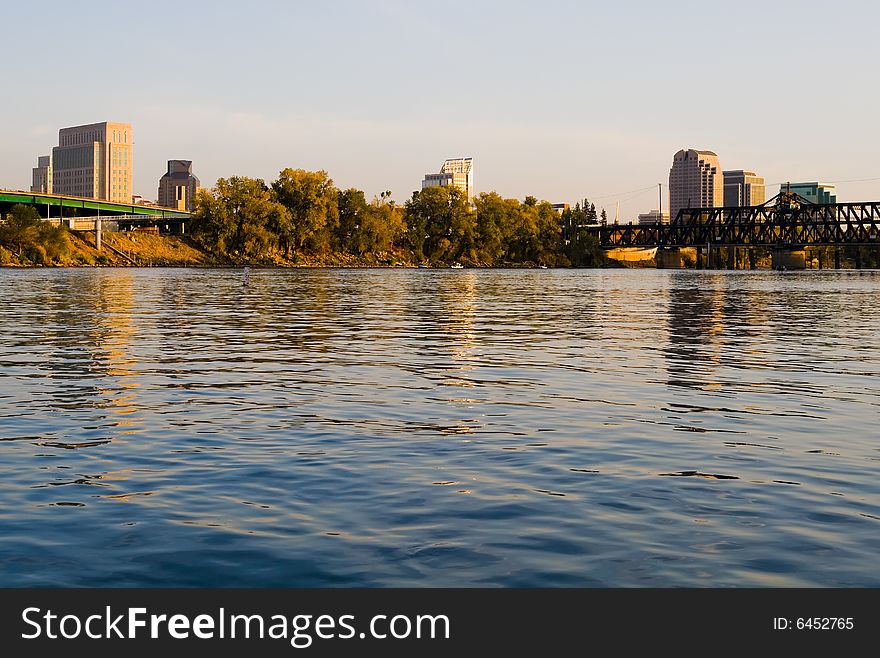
(781, 223)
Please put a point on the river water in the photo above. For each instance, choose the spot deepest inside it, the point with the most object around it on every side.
(172, 427)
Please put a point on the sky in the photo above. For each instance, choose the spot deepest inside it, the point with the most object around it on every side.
(555, 99)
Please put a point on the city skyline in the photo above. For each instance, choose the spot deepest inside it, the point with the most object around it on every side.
(565, 102)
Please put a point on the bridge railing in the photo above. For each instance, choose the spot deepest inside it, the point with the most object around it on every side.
(116, 223)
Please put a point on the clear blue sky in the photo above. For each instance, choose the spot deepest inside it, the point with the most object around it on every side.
(556, 99)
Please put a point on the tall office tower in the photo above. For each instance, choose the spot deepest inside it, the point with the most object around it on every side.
(695, 181)
(94, 161)
(743, 188)
(458, 173)
(42, 175)
(178, 187)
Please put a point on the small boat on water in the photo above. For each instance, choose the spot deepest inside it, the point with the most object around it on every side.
(542, 267)
(457, 266)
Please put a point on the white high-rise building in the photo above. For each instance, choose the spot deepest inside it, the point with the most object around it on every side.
(458, 173)
(695, 181)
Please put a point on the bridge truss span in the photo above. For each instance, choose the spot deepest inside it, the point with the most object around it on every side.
(786, 223)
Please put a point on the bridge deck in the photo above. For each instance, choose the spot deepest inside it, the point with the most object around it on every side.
(75, 205)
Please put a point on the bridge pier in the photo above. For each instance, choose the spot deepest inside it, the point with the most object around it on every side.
(731, 257)
(837, 258)
(669, 258)
(699, 261)
(789, 259)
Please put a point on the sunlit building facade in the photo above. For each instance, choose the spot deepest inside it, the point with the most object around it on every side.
(743, 188)
(457, 173)
(695, 181)
(94, 161)
(654, 217)
(41, 181)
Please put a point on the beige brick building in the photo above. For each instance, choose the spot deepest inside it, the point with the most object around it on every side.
(695, 181)
(42, 175)
(94, 161)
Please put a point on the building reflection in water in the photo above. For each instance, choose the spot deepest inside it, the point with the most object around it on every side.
(458, 299)
(110, 340)
(697, 318)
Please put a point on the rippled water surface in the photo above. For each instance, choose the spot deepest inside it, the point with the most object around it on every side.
(439, 428)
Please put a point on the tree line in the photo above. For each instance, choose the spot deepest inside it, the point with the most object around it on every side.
(27, 240)
(302, 215)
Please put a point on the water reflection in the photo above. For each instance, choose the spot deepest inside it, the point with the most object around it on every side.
(388, 427)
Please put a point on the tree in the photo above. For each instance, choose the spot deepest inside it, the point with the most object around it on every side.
(29, 237)
(312, 201)
(549, 233)
(384, 225)
(496, 220)
(21, 228)
(352, 211)
(440, 225)
(239, 219)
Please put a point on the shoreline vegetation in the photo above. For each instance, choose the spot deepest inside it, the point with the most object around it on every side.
(303, 220)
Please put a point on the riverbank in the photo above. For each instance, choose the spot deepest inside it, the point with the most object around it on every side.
(133, 249)
(142, 249)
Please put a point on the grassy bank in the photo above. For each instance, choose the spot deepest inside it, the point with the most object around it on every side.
(75, 249)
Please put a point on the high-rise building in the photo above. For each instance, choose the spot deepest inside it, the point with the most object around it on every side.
(743, 188)
(695, 181)
(654, 217)
(457, 173)
(42, 175)
(812, 192)
(178, 187)
(94, 161)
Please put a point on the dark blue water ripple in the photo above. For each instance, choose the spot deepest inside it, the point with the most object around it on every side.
(426, 427)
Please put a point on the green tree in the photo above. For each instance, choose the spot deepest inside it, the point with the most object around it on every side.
(352, 211)
(440, 225)
(32, 239)
(240, 219)
(497, 219)
(549, 234)
(312, 201)
(383, 227)
(21, 228)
